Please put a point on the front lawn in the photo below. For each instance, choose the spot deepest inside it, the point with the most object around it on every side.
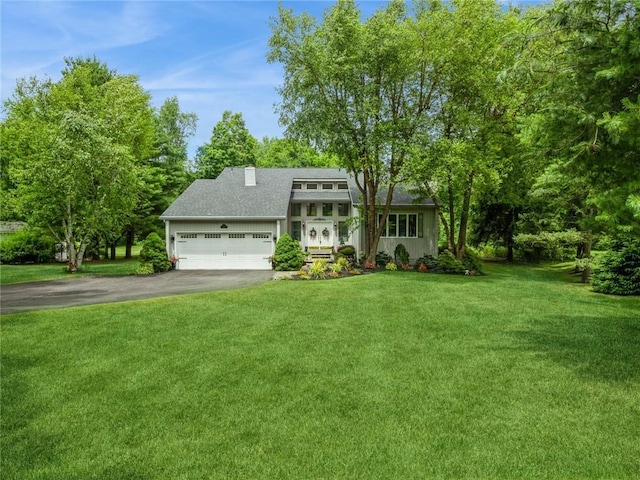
(10, 274)
(517, 374)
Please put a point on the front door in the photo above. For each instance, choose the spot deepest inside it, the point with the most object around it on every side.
(320, 234)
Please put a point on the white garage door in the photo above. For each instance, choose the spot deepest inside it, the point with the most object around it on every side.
(224, 251)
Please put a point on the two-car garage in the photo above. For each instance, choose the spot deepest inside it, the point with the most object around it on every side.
(223, 251)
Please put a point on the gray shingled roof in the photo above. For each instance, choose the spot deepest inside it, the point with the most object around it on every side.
(228, 197)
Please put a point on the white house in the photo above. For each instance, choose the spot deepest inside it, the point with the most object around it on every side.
(234, 221)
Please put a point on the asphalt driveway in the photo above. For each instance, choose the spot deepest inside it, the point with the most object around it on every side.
(87, 290)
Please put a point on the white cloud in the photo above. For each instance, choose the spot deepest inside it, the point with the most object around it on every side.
(36, 36)
(210, 55)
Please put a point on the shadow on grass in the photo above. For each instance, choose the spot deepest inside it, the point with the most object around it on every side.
(597, 348)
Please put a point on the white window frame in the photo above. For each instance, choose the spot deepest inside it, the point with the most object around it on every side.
(395, 234)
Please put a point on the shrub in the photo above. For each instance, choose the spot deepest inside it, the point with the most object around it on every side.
(31, 245)
(428, 261)
(617, 271)
(337, 267)
(490, 251)
(318, 269)
(289, 256)
(501, 252)
(154, 252)
(343, 263)
(382, 258)
(448, 263)
(347, 250)
(401, 254)
(471, 260)
(144, 269)
(391, 266)
(547, 245)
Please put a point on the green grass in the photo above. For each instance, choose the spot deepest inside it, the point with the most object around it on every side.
(518, 374)
(10, 274)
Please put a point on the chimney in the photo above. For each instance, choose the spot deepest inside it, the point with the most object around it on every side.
(249, 177)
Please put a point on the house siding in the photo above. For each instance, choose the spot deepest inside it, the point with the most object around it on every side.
(417, 247)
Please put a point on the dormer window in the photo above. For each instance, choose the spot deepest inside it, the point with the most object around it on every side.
(327, 186)
(342, 186)
(312, 186)
(297, 186)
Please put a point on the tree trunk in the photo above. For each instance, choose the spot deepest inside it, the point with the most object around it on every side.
(72, 256)
(508, 237)
(130, 239)
(586, 255)
(106, 249)
(81, 250)
(372, 241)
(464, 219)
(451, 234)
(113, 250)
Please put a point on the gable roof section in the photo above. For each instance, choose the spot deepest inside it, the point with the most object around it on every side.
(227, 197)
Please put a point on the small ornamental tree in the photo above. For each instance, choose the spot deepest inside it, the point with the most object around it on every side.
(289, 256)
(401, 254)
(154, 253)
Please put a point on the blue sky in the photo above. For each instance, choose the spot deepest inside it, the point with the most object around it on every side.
(210, 54)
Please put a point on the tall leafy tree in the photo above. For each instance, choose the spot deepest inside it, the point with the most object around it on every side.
(76, 147)
(358, 89)
(172, 131)
(167, 171)
(287, 152)
(500, 205)
(467, 142)
(231, 145)
(588, 117)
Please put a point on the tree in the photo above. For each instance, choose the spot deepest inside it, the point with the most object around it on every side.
(467, 142)
(76, 148)
(359, 90)
(291, 153)
(166, 172)
(588, 116)
(231, 145)
(172, 129)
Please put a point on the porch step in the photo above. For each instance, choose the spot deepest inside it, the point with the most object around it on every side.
(323, 253)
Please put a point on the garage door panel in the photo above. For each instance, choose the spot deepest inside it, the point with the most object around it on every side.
(222, 251)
